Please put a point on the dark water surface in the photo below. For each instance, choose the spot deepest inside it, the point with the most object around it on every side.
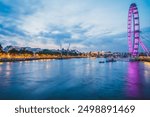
(74, 79)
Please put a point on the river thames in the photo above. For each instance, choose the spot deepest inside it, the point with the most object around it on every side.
(74, 79)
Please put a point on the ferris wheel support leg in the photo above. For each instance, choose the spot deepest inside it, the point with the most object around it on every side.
(144, 47)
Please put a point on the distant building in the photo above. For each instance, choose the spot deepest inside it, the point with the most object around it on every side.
(34, 50)
(8, 48)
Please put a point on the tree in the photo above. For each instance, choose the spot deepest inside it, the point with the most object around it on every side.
(48, 52)
(13, 51)
(1, 48)
(23, 51)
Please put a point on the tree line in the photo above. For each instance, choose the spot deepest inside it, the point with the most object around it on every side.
(44, 51)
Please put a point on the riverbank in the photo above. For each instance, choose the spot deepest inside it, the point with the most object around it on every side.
(31, 59)
(143, 59)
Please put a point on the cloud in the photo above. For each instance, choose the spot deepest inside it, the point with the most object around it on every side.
(87, 24)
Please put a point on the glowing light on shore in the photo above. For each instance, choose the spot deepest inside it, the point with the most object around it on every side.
(147, 64)
(146, 71)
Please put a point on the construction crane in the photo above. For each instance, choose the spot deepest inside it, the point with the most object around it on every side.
(68, 49)
(60, 50)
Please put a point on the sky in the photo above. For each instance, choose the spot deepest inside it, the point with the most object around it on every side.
(88, 25)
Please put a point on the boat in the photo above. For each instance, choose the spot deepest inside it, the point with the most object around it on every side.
(101, 61)
(110, 60)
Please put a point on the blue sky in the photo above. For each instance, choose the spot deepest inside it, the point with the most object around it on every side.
(89, 25)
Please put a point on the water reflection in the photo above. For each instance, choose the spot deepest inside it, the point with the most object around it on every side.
(147, 72)
(8, 69)
(74, 79)
(133, 80)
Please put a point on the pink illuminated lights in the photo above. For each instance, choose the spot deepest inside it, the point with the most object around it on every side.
(133, 31)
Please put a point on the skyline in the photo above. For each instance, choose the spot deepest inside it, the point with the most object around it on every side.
(87, 25)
